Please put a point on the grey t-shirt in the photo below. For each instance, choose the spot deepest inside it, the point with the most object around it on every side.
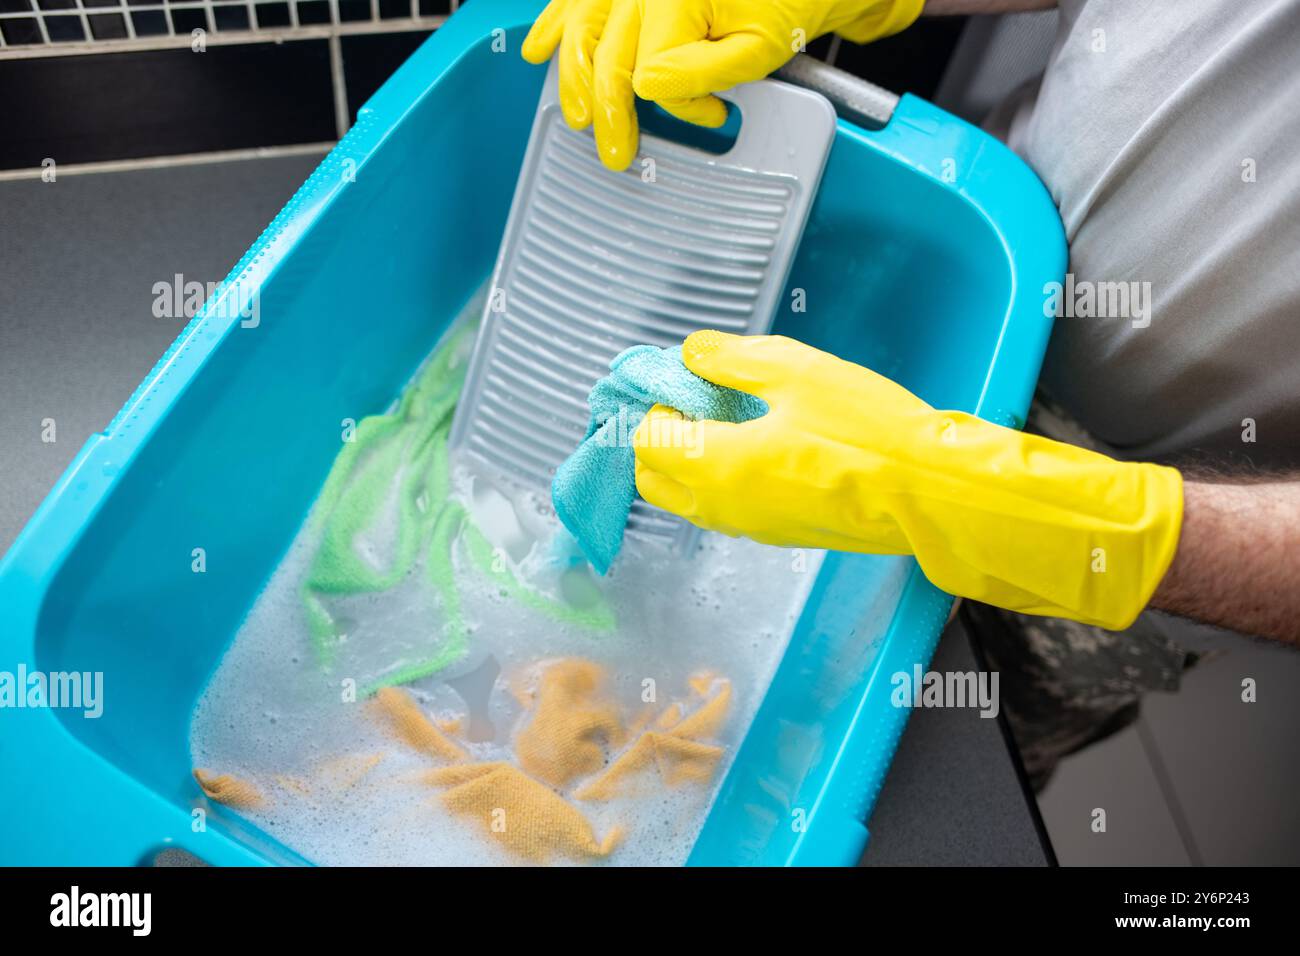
(1169, 135)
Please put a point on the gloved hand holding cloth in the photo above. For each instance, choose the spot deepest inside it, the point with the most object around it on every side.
(848, 460)
(680, 52)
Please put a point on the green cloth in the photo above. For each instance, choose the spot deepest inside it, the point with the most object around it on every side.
(405, 452)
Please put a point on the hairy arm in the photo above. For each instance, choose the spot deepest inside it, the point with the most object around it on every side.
(1238, 558)
(939, 8)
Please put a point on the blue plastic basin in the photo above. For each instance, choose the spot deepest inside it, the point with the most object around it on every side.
(925, 258)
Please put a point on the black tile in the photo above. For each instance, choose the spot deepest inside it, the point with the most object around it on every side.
(58, 4)
(394, 9)
(64, 29)
(270, 15)
(370, 59)
(909, 62)
(15, 6)
(431, 8)
(230, 19)
(107, 26)
(149, 23)
(352, 10)
(101, 3)
(20, 32)
(90, 108)
(186, 22)
(313, 11)
(820, 47)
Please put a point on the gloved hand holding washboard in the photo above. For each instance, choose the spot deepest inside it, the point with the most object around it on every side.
(848, 460)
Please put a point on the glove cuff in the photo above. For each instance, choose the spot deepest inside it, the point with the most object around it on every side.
(1163, 488)
(881, 20)
(1039, 527)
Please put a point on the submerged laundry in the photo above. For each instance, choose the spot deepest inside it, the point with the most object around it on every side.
(675, 749)
(594, 488)
(570, 749)
(561, 674)
(571, 729)
(524, 815)
(397, 465)
(572, 724)
(410, 725)
(229, 789)
(528, 818)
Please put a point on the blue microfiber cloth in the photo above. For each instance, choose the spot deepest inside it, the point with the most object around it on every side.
(594, 488)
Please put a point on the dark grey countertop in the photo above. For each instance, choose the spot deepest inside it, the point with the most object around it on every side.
(79, 258)
(954, 795)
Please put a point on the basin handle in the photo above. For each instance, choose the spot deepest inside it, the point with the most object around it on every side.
(860, 98)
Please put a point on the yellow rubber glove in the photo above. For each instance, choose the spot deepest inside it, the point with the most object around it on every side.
(848, 460)
(679, 52)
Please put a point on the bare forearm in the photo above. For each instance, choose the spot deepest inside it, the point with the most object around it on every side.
(1238, 559)
(939, 8)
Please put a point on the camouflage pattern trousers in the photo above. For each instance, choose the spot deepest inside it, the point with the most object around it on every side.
(1065, 685)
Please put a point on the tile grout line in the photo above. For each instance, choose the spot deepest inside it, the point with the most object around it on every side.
(165, 162)
(341, 123)
(136, 44)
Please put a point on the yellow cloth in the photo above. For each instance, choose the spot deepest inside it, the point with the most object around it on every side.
(848, 460)
(680, 52)
(528, 818)
(707, 719)
(230, 790)
(572, 724)
(674, 749)
(405, 719)
(452, 726)
(332, 777)
(676, 760)
(294, 784)
(344, 773)
(570, 732)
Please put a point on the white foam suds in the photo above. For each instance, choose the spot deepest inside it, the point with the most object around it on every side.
(274, 717)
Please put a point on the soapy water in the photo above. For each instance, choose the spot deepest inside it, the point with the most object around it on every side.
(339, 790)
